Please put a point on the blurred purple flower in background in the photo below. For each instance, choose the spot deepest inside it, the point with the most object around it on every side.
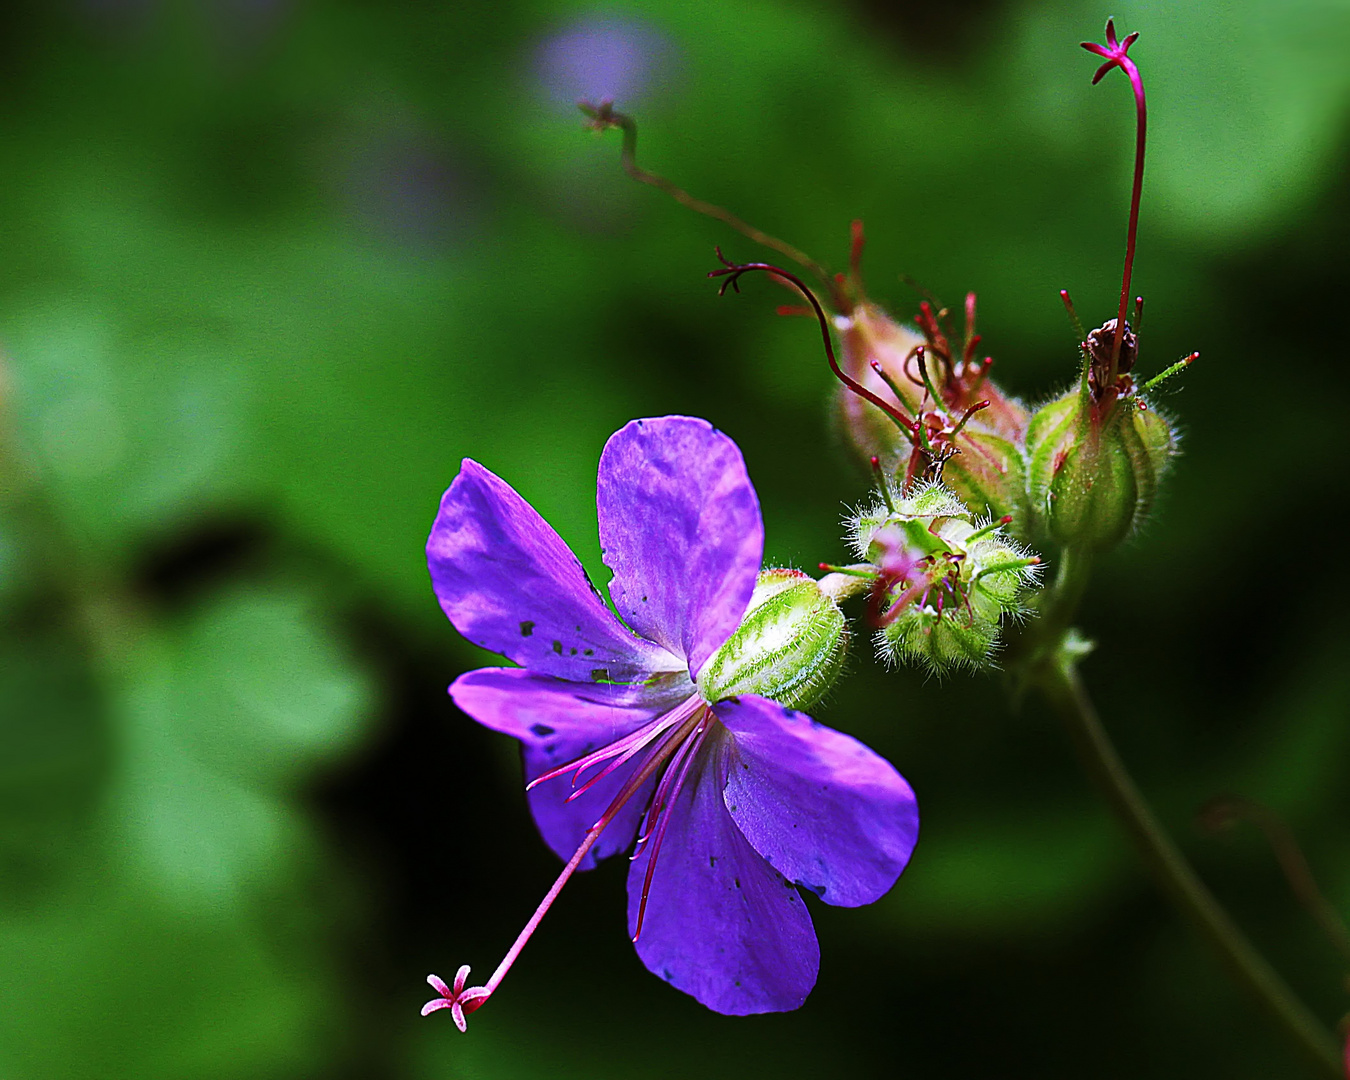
(604, 59)
(739, 799)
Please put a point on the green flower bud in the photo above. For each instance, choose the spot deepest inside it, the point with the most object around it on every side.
(1094, 471)
(945, 581)
(790, 646)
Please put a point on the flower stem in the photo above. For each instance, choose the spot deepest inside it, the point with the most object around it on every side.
(1061, 683)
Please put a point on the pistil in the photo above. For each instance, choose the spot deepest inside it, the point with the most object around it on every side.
(680, 732)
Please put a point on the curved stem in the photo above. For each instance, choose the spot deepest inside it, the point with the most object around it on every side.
(1065, 689)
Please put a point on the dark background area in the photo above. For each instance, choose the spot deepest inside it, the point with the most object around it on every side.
(271, 269)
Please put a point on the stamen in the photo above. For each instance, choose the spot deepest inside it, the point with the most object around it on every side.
(1074, 320)
(865, 570)
(965, 418)
(689, 752)
(922, 355)
(885, 377)
(638, 739)
(983, 530)
(1176, 369)
(685, 719)
(1014, 564)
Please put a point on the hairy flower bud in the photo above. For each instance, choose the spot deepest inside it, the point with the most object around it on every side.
(1093, 471)
(971, 431)
(944, 581)
(790, 646)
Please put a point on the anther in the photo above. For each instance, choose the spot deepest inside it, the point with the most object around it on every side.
(1074, 320)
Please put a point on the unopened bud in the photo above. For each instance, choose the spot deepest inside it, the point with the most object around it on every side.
(945, 582)
(1094, 471)
(790, 646)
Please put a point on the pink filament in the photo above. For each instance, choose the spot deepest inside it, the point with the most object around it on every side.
(688, 753)
(680, 733)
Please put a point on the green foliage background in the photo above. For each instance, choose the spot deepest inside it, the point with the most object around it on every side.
(269, 270)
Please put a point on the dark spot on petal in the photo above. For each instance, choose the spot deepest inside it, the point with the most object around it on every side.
(526, 628)
(737, 882)
(738, 982)
(557, 647)
(574, 651)
(599, 674)
(587, 652)
(712, 860)
(644, 599)
(542, 730)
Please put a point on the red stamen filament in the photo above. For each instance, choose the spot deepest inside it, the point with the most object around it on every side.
(679, 767)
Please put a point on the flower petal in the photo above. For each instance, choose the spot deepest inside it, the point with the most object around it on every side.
(721, 924)
(828, 813)
(509, 583)
(680, 527)
(558, 722)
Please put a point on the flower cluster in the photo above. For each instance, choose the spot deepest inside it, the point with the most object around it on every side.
(676, 714)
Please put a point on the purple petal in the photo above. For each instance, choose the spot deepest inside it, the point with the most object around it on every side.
(828, 813)
(680, 528)
(558, 722)
(721, 924)
(509, 583)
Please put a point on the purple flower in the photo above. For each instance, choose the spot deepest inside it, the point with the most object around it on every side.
(729, 805)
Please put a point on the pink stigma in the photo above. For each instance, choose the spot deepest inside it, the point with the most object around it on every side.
(1116, 54)
(671, 741)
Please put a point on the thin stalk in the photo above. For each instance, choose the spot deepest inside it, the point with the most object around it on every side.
(1174, 873)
